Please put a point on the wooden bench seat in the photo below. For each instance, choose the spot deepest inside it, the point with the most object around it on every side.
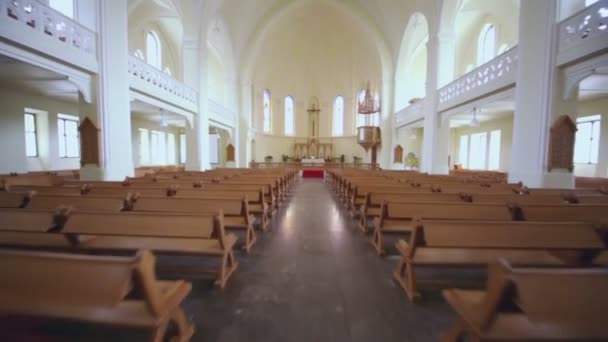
(167, 233)
(594, 213)
(81, 203)
(114, 291)
(532, 304)
(475, 243)
(14, 200)
(236, 212)
(399, 218)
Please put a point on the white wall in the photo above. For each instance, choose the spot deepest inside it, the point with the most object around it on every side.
(506, 139)
(12, 133)
(317, 51)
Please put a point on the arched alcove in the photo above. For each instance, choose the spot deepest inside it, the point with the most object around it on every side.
(412, 63)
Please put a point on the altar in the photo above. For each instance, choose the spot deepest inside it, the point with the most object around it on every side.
(319, 161)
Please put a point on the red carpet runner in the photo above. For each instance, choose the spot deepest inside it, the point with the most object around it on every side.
(314, 173)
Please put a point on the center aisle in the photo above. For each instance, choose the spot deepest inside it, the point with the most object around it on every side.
(313, 277)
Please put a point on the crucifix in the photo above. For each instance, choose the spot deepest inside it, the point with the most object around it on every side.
(313, 119)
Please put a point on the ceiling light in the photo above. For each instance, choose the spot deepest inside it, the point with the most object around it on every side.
(474, 122)
(163, 118)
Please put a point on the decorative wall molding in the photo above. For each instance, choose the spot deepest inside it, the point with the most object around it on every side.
(490, 77)
(149, 80)
(583, 33)
(32, 24)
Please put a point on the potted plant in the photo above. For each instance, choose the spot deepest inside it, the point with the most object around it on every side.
(285, 158)
(342, 159)
(268, 159)
(411, 161)
(356, 160)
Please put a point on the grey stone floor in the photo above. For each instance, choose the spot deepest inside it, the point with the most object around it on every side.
(314, 277)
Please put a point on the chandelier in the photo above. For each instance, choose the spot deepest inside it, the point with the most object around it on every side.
(368, 104)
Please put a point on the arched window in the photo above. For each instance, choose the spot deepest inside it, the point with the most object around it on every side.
(139, 54)
(267, 114)
(486, 46)
(153, 50)
(289, 117)
(338, 118)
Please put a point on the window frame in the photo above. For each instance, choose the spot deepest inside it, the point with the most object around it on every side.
(34, 132)
(159, 49)
(183, 152)
(267, 112)
(594, 121)
(482, 48)
(65, 119)
(338, 127)
(292, 130)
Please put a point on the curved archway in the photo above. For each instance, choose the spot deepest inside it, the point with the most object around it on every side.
(410, 78)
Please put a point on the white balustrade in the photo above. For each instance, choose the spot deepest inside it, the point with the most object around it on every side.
(27, 22)
(150, 80)
(409, 114)
(497, 73)
(583, 33)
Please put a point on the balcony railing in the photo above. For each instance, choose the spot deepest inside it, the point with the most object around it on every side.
(41, 28)
(584, 33)
(153, 82)
(409, 114)
(496, 74)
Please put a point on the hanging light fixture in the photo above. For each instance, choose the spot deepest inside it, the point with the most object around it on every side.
(474, 122)
(163, 118)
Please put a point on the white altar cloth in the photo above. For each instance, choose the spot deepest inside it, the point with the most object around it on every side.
(313, 161)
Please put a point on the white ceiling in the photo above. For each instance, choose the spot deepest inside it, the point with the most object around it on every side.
(594, 86)
(144, 111)
(30, 79)
(492, 111)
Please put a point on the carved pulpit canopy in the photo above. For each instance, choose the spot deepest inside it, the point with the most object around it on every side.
(561, 144)
(89, 143)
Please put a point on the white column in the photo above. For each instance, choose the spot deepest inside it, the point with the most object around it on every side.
(197, 135)
(602, 161)
(113, 107)
(245, 124)
(386, 124)
(436, 139)
(533, 94)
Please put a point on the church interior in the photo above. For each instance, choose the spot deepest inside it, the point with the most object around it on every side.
(304, 170)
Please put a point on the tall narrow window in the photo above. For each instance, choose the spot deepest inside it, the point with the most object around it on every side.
(586, 146)
(494, 153)
(171, 160)
(144, 146)
(463, 151)
(182, 148)
(66, 7)
(153, 50)
(338, 119)
(477, 151)
(486, 46)
(31, 136)
(158, 144)
(214, 148)
(267, 112)
(67, 131)
(289, 116)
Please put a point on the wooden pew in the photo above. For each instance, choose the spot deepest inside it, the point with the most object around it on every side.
(14, 200)
(236, 212)
(166, 233)
(111, 291)
(372, 207)
(400, 218)
(81, 203)
(473, 244)
(594, 213)
(532, 304)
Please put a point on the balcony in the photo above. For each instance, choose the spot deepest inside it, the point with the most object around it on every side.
(220, 113)
(40, 28)
(488, 78)
(584, 33)
(409, 114)
(152, 82)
